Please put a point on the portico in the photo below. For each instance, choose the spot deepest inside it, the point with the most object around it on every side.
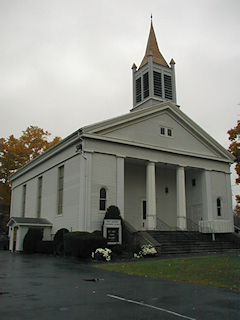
(19, 226)
(151, 207)
(163, 194)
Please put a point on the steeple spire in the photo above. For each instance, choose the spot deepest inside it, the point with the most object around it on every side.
(154, 81)
(152, 49)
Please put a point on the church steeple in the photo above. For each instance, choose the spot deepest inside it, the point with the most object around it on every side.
(154, 80)
(152, 49)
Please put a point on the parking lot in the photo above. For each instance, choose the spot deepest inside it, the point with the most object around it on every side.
(45, 287)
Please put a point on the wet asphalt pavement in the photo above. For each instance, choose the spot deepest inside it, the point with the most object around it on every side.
(44, 287)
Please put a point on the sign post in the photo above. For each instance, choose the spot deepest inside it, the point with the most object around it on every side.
(112, 231)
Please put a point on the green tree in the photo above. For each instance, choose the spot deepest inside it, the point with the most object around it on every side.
(14, 154)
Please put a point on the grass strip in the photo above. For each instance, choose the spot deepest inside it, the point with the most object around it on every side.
(216, 271)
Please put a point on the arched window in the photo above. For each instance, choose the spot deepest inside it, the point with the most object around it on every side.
(219, 207)
(103, 199)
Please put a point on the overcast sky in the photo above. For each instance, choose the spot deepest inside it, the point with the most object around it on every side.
(65, 64)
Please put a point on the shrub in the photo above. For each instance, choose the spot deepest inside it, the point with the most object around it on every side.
(97, 233)
(113, 213)
(45, 247)
(58, 241)
(119, 249)
(30, 240)
(82, 244)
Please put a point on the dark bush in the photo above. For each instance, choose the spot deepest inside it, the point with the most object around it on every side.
(97, 233)
(4, 242)
(30, 240)
(82, 244)
(45, 247)
(113, 213)
(119, 249)
(58, 241)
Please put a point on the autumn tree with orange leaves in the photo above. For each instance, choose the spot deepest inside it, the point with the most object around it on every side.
(14, 154)
(234, 148)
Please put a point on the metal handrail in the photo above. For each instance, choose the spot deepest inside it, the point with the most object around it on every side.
(237, 229)
(163, 225)
(194, 225)
(169, 228)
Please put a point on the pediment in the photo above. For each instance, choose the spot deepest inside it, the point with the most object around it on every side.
(164, 127)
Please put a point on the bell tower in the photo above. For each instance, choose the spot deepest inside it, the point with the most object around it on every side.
(154, 80)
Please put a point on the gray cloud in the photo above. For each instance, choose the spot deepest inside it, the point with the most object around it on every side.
(65, 64)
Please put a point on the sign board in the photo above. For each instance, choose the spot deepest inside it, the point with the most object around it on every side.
(112, 230)
(113, 235)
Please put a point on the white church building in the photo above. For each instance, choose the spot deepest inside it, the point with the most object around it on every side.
(155, 163)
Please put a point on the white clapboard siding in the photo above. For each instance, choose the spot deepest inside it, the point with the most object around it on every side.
(103, 175)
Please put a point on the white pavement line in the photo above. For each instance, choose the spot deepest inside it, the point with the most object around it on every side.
(150, 306)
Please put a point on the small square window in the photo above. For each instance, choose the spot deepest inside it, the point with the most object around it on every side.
(163, 131)
(169, 132)
(193, 182)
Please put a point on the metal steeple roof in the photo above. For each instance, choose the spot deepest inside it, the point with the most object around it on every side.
(152, 49)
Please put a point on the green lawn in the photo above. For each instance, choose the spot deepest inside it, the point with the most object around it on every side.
(217, 271)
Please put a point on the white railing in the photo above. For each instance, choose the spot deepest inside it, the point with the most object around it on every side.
(218, 226)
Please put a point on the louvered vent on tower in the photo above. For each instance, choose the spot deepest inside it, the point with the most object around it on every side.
(138, 90)
(145, 85)
(168, 86)
(157, 81)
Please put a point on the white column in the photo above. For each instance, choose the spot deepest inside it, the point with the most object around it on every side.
(181, 199)
(207, 196)
(11, 236)
(229, 200)
(120, 185)
(172, 63)
(47, 233)
(88, 193)
(151, 196)
(85, 192)
(21, 232)
(150, 74)
(82, 193)
(134, 68)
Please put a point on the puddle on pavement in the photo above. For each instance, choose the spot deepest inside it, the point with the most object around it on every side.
(35, 284)
(93, 279)
(2, 293)
(13, 295)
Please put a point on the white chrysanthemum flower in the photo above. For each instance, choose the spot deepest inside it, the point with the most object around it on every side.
(106, 253)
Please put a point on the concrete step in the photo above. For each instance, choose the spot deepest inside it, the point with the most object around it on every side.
(193, 242)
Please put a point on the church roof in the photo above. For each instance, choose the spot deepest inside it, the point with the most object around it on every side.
(152, 49)
(34, 222)
(102, 131)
